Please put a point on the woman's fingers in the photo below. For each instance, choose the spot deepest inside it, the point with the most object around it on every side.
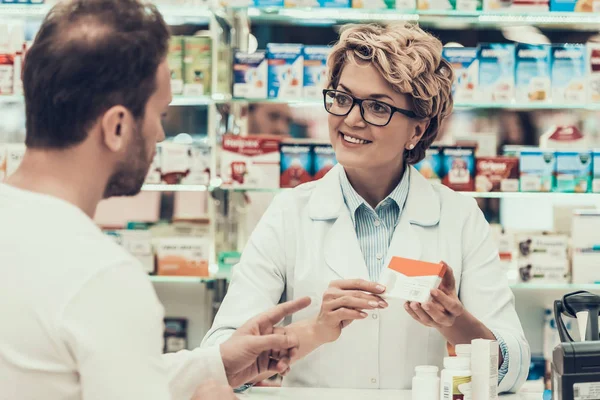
(355, 303)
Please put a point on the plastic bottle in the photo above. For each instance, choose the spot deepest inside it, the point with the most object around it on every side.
(463, 350)
(425, 383)
(456, 379)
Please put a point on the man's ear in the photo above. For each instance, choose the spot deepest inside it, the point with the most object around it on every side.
(117, 125)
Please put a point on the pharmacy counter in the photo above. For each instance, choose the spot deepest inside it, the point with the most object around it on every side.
(347, 394)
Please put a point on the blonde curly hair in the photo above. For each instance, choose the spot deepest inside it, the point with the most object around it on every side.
(411, 61)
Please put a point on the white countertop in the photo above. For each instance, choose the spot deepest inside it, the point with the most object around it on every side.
(259, 393)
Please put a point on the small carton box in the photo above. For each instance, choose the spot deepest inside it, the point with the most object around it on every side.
(411, 280)
(516, 6)
(323, 160)
(138, 243)
(197, 63)
(573, 171)
(301, 3)
(175, 61)
(14, 156)
(575, 6)
(459, 168)
(532, 74)
(199, 158)
(543, 258)
(484, 364)
(432, 166)
(250, 75)
(497, 174)
(268, 3)
(286, 71)
(465, 62)
(315, 70)
(497, 72)
(335, 3)
(250, 162)
(442, 5)
(385, 4)
(593, 72)
(174, 162)
(584, 230)
(568, 73)
(537, 168)
(595, 169)
(183, 256)
(296, 163)
(585, 267)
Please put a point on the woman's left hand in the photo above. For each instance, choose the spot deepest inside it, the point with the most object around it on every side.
(444, 307)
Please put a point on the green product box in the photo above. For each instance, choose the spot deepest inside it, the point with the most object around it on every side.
(197, 61)
(573, 171)
(447, 5)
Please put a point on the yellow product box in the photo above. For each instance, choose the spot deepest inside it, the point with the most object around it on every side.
(175, 61)
(197, 62)
(183, 256)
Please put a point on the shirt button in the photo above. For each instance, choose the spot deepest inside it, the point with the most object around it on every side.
(373, 380)
(375, 316)
(379, 256)
(377, 222)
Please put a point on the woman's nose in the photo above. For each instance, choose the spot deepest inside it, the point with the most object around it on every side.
(354, 118)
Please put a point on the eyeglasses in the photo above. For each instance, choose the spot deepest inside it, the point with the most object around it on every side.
(373, 112)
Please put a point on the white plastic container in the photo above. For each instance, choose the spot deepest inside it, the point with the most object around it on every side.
(455, 383)
(463, 350)
(425, 383)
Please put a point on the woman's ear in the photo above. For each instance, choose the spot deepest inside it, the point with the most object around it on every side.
(420, 129)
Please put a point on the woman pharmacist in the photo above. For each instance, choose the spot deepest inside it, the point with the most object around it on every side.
(389, 91)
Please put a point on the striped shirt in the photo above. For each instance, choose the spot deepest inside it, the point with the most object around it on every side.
(375, 228)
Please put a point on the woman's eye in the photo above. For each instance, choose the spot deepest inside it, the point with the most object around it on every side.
(342, 100)
(379, 108)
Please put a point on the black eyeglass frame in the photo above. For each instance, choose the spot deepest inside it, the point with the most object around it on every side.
(356, 100)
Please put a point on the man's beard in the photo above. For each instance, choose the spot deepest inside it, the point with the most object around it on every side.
(129, 176)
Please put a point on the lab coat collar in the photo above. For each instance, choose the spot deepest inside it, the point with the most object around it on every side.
(422, 206)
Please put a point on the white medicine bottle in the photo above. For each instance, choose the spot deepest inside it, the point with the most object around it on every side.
(455, 382)
(463, 350)
(425, 383)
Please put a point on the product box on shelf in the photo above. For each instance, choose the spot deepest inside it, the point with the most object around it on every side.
(497, 174)
(459, 5)
(138, 243)
(585, 266)
(496, 72)
(385, 4)
(532, 73)
(315, 70)
(584, 230)
(174, 162)
(175, 61)
(595, 170)
(199, 158)
(182, 256)
(575, 6)
(286, 70)
(573, 171)
(432, 166)
(543, 258)
(335, 3)
(268, 3)
(563, 137)
(301, 3)
(568, 73)
(250, 75)
(197, 61)
(323, 160)
(516, 6)
(593, 72)
(296, 163)
(250, 162)
(537, 168)
(459, 168)
(175, 336)
(465, 62)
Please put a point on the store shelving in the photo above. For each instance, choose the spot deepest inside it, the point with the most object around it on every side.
(179, 279)
(175, 188)
(567, 287)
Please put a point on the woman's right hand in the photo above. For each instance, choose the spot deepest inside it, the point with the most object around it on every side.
(344, 302)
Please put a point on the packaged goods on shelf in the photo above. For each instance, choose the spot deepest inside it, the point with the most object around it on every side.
(432, 166)
(199, 157)
(296, 163)
(175, 61)
(12, 47)
(584, 230)
(543, 258)
(385, 4)
(575, 5)
(301, 3)
(595, 170)
(286, 70)
(465, 62)
(323, 159)
(177, 163)
(335, 3)
(586, 266)
(459, 168)
(563, 137)
(593, 72)
(515, 6)
(197, 61)
(315, 70)
(182, 256)
(497, 174)
(496, 72)
(227, 260)
(250, 162)
(537, 168)
(532, 73)
(459, 5)
(138, 243)
(573, 171)
(250, 75)
(568, 73)
(175, 336)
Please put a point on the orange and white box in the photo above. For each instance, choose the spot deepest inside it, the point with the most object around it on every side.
(250, 162)
(411, 280)
(183, 256)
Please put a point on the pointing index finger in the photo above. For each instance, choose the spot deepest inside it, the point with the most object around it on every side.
(276, 314)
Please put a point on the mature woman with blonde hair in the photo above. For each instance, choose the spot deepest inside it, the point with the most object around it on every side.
(389, 92)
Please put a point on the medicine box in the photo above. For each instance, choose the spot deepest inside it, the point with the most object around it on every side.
(484, 364)
(174, 162)
(459, 5)
(532, 73)
(584, 230)
(250, 162)
(250, 75)
(323, 160)
(543, 258)
(138, 243)
(183, 256)
(586, 267)
(575, 5)
(268, 3)
(465, 62)
(197, 66)
(431, 167)
(199, 158)
(296, 163)
(516, 6)
(537, 168)
(497, 72)
(497, 174)
(175, 62)
(593, 72)
(334, 3)
(568, 73)
(286, 71)
(595, 169)
(459, 168)
(301, 3)
(315, 70)
(385, 4)
(573, 171)
(411, 280)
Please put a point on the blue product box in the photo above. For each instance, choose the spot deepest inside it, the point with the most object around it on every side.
(465, 62)
(497, 72)
(250, 75)
(573, 171)
(315, 70)
(532, 73)
(9, 1)
(335, 3)
(537, 167)
(572, 5)
(596, 170)
(296, 164)
(459, 168)
(268, 3)
(323, 160)
(431, 167)
(286, 71)
(568, 73)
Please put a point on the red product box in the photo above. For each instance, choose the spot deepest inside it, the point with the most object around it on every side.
(250, 162)
(497, 174)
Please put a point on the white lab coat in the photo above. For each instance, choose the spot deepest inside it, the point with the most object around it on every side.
(307, 239)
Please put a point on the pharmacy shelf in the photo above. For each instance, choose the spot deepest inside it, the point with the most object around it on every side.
(23, 11)
(175, 188)
(566, 287)
(177, 100)
(179, 279)
(533, 195)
